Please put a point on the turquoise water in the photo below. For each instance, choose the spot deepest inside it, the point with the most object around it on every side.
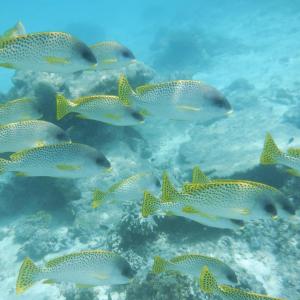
(244, 61)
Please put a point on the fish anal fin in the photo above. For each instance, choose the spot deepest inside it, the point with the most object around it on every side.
(84, 286)
(49, 281)
(293, 172)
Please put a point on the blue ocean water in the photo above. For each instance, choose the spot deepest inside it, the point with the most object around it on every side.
(249, 52)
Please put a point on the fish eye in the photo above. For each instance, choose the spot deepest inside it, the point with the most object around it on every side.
(232, 277)
(127, 271)
(137, 116)
(271, 209)
(86, 53)
(127, 53)
(102, 161)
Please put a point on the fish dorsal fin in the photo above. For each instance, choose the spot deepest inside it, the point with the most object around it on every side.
(15, 31)
(19, 155)
(208, 283)
(169, 193)
(148, 88)
(65, 258)
(295, 152)
(189, 188)
(198, 176)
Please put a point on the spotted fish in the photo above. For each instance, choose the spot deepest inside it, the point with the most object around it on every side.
(112, 55)
(55, 52)
(209, 285)
(29, 134)
(188, 100)
(272, 155)
(192, 264)
(68, 160)
(103, 108)
(86, 269)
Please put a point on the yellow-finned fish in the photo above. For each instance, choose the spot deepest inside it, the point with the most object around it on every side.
(192, 264)
(209, 285)
(68, 160)
(234, 199)
(19, 110)
(103, 108)
(15, 31)
(56, 52)
(85, 269)
(128, 189)
(272, 155)
(29, 134)
(112, 55)
(152, 206)
(188, 100)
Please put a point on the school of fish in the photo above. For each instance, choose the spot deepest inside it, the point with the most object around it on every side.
(41, 148)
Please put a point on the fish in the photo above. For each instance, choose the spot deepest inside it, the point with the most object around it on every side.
(21, 135)
(112, 55)
(103, 108)
(126, 190)
(152, 206)
(271, 155)
(15, 31)
(19, 110)
(86, 269)
(54, 52)
(210, 286)
(67, 160)
(187, 100)
(233, 199)
(192, 264)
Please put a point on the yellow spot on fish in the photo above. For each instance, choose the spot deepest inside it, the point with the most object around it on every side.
(242, 211)
(21, 174)
(112, 117)
(109, 61)
(63, 167)
(7, 65)
(56, 60)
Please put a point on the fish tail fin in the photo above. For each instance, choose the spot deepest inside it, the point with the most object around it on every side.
(270, 152)
(98, 198)
(150, 204)
(3, 165)
(63, 106)
(208, 283)
(169, 192)
(160, 265)
(27, 275)
(125, 91)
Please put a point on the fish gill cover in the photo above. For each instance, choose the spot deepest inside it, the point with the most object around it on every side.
(149, 150)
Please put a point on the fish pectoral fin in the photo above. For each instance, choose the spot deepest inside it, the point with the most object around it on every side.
(293, 172)
(193, 211)
(169, 213)
(49, 281)
(188, 108)
(112, 117)
(7, 65)
(21, 174)
(101, 276)
(81, 117)
(84, 286)
(40, 143)
(109, 61)
(65, 167)
(54, 60)
(242, 211)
